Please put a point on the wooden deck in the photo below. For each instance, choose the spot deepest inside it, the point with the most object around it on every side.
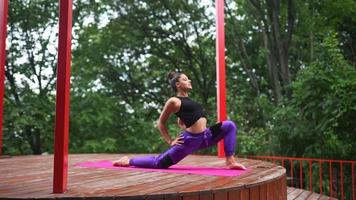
(31, 177)
(299, 194)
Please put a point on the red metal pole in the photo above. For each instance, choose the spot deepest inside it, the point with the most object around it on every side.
(220, 68)
(331, 179)
(301, 173)
(62, 98)
(353, 181)
(310, 176)
(282, 162)
(291, 172)
(320, 178)
(3, 24)
(342, 181)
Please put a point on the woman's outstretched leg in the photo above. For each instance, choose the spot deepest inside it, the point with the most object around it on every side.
(161, 161)
(172, 156)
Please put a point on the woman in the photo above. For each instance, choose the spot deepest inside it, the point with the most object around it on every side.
(195, 135)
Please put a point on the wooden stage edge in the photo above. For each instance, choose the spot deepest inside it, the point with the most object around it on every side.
(31, 177)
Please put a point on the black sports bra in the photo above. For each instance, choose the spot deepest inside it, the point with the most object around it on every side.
(190, 111)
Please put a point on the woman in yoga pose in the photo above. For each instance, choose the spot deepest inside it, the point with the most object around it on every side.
(195, 134)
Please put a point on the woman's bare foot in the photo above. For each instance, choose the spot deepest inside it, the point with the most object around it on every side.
(235, 166)
(122, 162)
(232, 164)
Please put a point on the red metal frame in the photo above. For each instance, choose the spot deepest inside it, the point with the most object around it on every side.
(301, 174)
(220, 68)
(291, 171)
(62, 98)
(310, 175)
(353, 180)
(320, 178)
(342, 180)
(342, 164)
(3, 31)
(330, 179)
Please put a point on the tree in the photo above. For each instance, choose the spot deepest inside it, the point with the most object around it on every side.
(275, 22)
(322, 109)
(122, 51)
(30, 73)
(129, 59)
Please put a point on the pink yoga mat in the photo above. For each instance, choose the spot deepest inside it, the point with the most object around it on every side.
(180, 169)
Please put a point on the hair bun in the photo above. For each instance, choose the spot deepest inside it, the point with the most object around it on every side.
(172, 75)
(173, 78)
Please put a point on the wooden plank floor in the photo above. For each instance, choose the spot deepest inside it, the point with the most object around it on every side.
(299, 194)
(31, 177)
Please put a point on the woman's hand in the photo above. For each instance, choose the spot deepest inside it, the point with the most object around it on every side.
(178, 141)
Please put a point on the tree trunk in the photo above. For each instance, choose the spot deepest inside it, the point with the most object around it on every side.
(282, 48)
(34, 139)
(264, 23)
(282, 42)
(240, 48)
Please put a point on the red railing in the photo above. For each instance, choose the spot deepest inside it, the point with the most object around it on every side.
(335, 178)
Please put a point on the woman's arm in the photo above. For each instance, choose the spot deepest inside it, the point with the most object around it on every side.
(171, 106)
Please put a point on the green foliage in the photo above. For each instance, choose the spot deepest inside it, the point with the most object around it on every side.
(317, 122)
(30, 67)
(122, 51)
(95, 146)
(254, 142)
(28, 127)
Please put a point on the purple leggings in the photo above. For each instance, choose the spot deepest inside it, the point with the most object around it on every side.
(192, 142)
